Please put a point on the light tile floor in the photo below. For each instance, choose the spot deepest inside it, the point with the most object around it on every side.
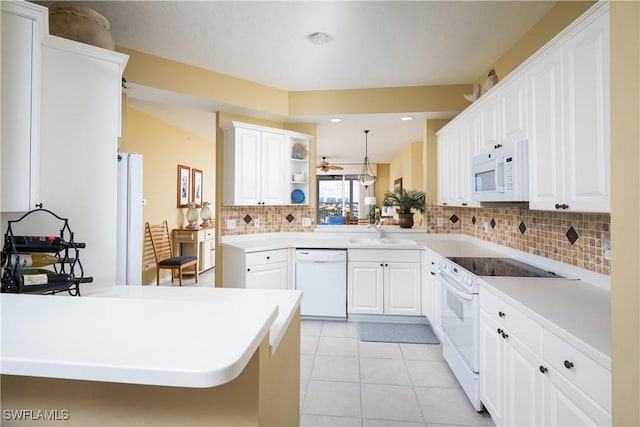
(346, 382)
(206, 279)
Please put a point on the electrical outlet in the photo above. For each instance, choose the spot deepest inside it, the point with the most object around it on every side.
(440, 222)
(144, 202)
(256, 222)
(485, 227)
(231, 224)
(606, 249)
(306, 222)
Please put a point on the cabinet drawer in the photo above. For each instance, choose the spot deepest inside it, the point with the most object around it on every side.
(516, 323)
(209, 234)
(394, 255)
(266, 257)
(185, 236)
(588, 375)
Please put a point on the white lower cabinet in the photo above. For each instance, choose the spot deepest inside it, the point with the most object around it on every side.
(566, 405)
(365, 288)
(256, 270)
(268, 276)
(384, 282)
(510, 383)
(529, 376)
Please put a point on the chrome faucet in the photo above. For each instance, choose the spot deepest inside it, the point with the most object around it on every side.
(378, 229)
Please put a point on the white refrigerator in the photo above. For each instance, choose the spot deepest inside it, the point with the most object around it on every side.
(129, 228)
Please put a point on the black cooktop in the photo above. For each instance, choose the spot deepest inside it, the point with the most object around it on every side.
(504, 267)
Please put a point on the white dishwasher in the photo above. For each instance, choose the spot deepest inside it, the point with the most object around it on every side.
(321, 275)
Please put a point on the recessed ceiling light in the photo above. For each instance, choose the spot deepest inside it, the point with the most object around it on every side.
(318, 38)
(336, 120)
(406, 118)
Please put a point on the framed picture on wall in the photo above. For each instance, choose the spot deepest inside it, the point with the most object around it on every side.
(184, 188)
(196, 186)
(397, 184)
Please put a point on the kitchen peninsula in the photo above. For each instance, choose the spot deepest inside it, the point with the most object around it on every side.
(153, 356)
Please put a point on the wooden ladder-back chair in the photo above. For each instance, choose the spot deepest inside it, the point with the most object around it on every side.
(161, 243)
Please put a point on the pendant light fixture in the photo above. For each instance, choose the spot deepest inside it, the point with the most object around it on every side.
(366, 177)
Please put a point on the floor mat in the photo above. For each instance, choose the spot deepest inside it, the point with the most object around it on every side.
(414, 333)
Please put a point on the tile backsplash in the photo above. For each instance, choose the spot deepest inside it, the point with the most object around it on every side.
(270, 219)
(572, 238)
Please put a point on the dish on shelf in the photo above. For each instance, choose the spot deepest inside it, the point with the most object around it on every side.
(299, 151)
(297, 196)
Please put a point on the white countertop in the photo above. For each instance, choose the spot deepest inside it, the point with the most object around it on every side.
(576, 311)
(182, 337)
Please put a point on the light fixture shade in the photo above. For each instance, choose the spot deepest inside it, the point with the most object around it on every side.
(366, 177)
(369, 201)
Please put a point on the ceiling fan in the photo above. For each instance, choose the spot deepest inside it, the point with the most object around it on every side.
(324, 166)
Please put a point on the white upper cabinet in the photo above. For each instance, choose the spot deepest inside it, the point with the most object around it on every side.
(456, 146)
(586, 118)
(545, 131)
(558, 100)
(257, 167)
(489, 115)
(23, 27)
(513, 107)
(568, 117)
(80, 125)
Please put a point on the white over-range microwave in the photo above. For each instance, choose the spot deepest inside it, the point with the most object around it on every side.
(502, 174)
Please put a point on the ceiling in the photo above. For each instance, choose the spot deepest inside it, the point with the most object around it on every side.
(371, 44)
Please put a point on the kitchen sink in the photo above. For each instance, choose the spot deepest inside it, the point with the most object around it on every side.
(382, 241)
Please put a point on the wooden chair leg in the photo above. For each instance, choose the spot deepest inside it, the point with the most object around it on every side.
(180, 275)
(157, 276)
(195, 267)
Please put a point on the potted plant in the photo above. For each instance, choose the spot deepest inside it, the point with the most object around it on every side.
(405, 201)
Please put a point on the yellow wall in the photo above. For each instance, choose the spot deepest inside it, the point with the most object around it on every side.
(408, 166)
(625, 211)
(554, 21)
(382, 185)
(380, 100)
(164, 146)
(161, 73)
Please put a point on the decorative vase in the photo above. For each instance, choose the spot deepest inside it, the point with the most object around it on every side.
(192, 215)
(80, 23)
(405, 220)
(205, 214)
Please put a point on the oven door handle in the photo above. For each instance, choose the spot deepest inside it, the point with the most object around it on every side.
(453, 288)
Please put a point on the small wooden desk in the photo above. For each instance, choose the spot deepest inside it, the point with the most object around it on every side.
(199, 242)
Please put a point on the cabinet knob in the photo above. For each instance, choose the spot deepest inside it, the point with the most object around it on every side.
(505, 336)
(268, 257)
(465, 204)
(497, 146)
(433, 274)
(568, 364)
(444, 204)
(39, 205)
(543, 369)
(381, 265)
(386, 265)
(499, 331)
(501, 314)
(248, 269)
(562, 206)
